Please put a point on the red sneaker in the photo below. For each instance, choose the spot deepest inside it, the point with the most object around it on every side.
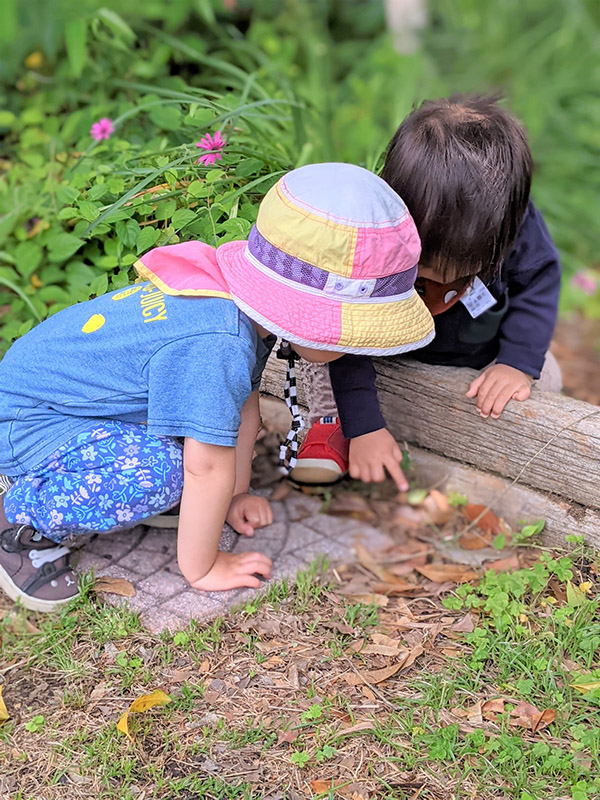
(323, 456)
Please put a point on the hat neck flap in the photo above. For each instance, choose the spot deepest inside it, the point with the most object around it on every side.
(189, 269)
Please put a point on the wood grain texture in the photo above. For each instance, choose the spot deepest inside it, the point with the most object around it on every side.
(515, 503)
(554, 441)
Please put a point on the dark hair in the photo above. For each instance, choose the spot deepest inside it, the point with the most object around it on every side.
(463, 167)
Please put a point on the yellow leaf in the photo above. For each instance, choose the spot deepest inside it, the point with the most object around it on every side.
(585, 587)
(4, 715)
(34, 60)
(575, 597)
(584, 688)
(142, 703)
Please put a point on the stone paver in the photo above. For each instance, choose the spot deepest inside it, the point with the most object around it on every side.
(147, 558)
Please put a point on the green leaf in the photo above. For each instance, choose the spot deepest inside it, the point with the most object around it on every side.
(213, 175)
(89, 211)
(183, 217)
(97, 191)
(166, 117)
(128, 232)
(146, 239)
(28, 256)
(116, 23)
(249, 166)
(62, 246)
(197, 189)
(7, 119)
(99, 285)
(575, 597)
(166, 209)
(115, 184)
(66, 195)
(75, 40)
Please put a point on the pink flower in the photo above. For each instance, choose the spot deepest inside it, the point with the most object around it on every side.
(585, 281)
(215, 143)
(103, 129)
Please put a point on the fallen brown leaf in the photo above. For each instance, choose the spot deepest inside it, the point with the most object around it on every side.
(320, 787)
(525, 715)
(118, 586)
(475, 540)
(489, 521)
(490, 708)
(365, 725)
(465, 625)
(439, 573)
(377, 675)
(289, 737)
(350, 505)
(504, 564)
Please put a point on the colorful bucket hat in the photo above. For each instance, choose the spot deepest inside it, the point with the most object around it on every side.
(331, 264)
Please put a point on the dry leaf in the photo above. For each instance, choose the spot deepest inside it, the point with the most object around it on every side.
(475, 540)
(524, 715)
(504, 564)
(440, 573)
(489, 521)
(351, 505)
(368, 562)
(490, 708)
(142, 703)
(118, 586)
(415, 652)
(372, 599)
(286, 736)
(465, 625)
(377, 675)
(273, 662)
(585, 687)
(391, 588)
(320, 787)
(437, 508)
(4, 715)
(365, 725)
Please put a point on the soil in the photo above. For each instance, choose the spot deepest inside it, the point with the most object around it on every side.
(576, 345)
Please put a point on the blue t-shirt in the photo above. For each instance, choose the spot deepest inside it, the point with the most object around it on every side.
(185, 366)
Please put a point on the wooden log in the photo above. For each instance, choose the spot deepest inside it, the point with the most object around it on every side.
(514, 503)
(551, 442)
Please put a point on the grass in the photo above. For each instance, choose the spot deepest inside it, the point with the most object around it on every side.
(264, 702)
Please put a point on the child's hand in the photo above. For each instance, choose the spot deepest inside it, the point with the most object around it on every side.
(372, 454)
(496, 386)
(248, 512)
(234, 570)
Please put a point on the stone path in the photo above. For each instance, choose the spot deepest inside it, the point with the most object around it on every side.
(146, 557)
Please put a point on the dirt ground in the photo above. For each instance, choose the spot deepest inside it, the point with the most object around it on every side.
(576, 345)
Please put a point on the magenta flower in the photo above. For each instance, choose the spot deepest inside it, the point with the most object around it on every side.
(215, 143)
(585, 281)
(103, 129)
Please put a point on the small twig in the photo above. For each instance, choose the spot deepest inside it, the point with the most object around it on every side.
(499, 496)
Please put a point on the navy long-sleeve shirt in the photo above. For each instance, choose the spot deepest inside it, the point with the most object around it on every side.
(516, 331)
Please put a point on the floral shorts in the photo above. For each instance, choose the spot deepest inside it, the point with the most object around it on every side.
(104, 479)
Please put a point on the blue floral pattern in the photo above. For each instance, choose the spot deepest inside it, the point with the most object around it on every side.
(104, 479)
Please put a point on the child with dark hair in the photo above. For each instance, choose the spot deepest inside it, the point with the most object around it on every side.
(489, 273)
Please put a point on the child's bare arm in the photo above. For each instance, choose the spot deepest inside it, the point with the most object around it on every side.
(208, 484)
(247, 512)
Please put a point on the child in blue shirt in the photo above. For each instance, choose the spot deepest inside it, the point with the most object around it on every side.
(94, 402)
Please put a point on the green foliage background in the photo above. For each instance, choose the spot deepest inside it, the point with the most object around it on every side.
(287, 83)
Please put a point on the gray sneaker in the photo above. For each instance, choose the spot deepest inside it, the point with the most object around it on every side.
(35, 570)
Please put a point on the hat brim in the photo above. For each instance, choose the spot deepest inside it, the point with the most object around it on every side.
(310, 319)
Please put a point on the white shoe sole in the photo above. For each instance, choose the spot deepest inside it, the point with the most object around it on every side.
(316, 471)
(26, 600)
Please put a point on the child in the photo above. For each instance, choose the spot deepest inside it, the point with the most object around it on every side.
(93, 401)
(463, 167)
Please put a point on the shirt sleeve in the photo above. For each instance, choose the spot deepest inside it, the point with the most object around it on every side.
(197, 387)
(534, 275)
(355, 392)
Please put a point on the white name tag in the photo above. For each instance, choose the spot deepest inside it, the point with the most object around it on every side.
(478, 298)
